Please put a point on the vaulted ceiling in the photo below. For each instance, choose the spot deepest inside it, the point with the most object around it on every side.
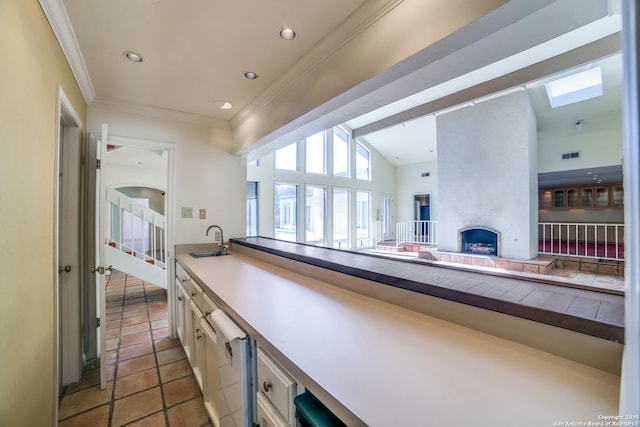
(196, 52)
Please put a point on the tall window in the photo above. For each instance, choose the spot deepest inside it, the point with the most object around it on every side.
(340, 153)
(285, 214)
(252, 208)
(316, 154)
(362, 218)
(363, 162)
(315, 215)
(341, 218)
(287, 157)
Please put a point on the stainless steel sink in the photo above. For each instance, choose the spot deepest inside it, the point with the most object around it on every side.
(207, 254)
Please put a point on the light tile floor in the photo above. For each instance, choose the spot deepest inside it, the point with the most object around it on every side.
(560, 276)
(150, 382)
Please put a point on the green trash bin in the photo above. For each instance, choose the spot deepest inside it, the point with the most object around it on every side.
(310, 412)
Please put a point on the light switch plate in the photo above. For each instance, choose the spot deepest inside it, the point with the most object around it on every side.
(203, 214)
(187, 212)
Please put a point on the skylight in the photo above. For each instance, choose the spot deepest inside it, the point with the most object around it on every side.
(575, 88)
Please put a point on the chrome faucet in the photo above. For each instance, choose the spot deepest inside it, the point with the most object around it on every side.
(221, 250)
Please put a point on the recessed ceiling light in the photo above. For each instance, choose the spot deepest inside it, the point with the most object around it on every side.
(223, 105)
(139, 163)
(287, 33)
(250, 75)
(132, 56)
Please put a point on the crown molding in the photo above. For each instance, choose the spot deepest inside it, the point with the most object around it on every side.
(59, 21)
(155, 112)
(361, 19)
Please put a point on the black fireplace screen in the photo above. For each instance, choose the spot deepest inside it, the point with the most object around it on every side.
(479, 241)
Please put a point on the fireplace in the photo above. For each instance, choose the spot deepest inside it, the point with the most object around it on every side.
(479, 241)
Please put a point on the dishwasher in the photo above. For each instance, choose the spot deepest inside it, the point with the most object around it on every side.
(236, 370)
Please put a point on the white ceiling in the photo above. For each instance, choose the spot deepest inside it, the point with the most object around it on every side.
(196, 51)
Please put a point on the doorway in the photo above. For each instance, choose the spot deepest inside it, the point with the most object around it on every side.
(422, 207)
(68, 353)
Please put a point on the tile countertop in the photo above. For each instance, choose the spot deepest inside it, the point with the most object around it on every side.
(388, 365)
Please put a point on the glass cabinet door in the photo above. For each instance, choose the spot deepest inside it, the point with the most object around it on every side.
(602, 196)
(572, 198)
(586, 197)
(617, 195)
(558, 199)
(546, 199)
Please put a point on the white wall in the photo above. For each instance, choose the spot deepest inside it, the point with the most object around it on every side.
(207, 176)
(599, 144)
(410, 182)
(488, 173)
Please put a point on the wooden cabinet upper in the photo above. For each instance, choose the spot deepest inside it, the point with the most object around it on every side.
(600, 196)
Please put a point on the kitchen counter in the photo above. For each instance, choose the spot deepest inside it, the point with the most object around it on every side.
(388, 365)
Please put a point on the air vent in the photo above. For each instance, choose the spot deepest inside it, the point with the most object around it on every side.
(573, 155)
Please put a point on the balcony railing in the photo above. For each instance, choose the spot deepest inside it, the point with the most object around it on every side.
(417, 232)
(581, 239)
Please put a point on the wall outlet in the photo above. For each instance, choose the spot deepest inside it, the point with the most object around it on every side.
(203, 214)
(187, 212)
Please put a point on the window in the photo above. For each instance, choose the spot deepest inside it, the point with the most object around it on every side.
(252, 208)
(575, 88)
(316, 154)
(362, 218)
(363, 162)
(340, 153)
(287, 157)
(341, 219)
(285, 201)
(315, 215)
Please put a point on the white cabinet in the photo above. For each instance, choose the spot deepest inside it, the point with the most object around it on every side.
(196, 342)
(267, 414)
(181, 312)
(213, 400)
(277, 386)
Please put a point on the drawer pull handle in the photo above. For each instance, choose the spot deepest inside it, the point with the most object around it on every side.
(180, 298)
(198, 336)
(266, 386)
(193, 294)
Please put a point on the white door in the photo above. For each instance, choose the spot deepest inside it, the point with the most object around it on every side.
(100, 268)
(387, 218)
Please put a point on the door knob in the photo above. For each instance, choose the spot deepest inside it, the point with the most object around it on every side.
(266, 386)
(101, 269)
(65, 269)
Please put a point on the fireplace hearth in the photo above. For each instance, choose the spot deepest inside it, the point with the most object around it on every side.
(479, 241)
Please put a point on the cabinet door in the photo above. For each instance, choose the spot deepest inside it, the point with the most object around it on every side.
(558, 198)
(181, 308)
(196, 356)
(573, 200)
(586, 197)
(617, 195)
(213, 399)
(602, 196)
(546, 199)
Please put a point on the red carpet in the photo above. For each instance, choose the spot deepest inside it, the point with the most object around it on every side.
(599, 250)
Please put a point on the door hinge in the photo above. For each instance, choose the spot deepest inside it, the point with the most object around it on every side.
(97, 322)
(98, 164)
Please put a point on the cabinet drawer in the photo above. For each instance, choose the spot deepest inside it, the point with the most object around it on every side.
(208, 306)
(181, 274)
(276, 385)
(267, 415)
(195, 292)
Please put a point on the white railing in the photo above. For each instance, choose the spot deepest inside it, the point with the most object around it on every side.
(419, 232)
(581, 240)
(138, 232)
